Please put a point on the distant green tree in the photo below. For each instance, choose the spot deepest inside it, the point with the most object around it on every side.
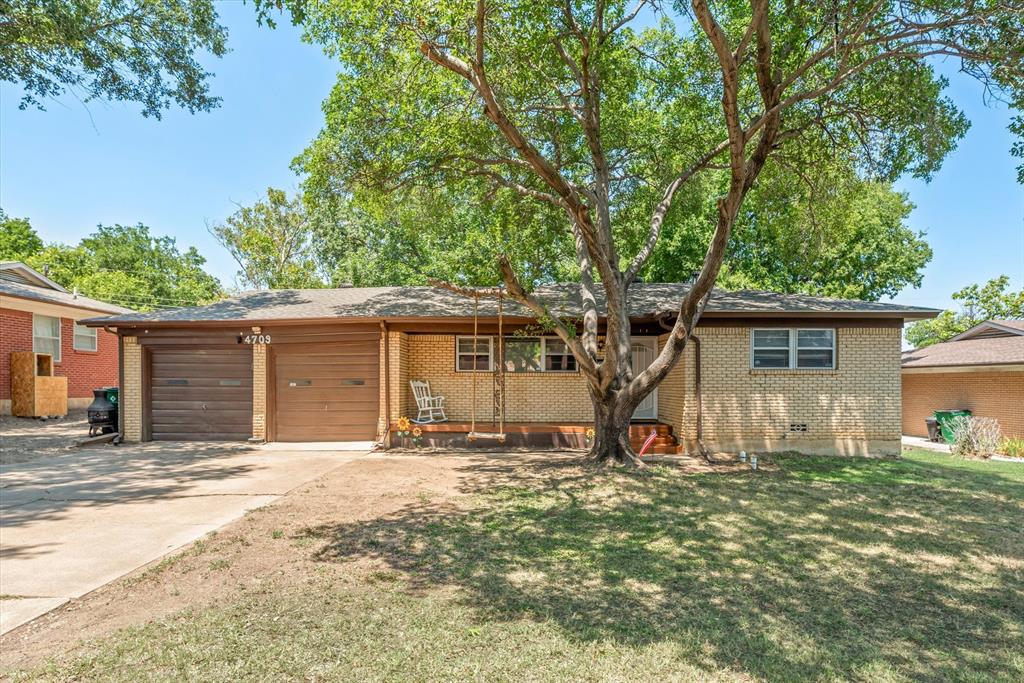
(17, 238)
(125, 265)
(142, 51)
(272, 242)
(834, 236)
(977, 304)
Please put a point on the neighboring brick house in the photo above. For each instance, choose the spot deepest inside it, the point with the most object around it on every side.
(779, 372)
(981, 370)
(37, 314)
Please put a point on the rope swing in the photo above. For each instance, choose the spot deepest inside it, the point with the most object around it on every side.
(497, 378)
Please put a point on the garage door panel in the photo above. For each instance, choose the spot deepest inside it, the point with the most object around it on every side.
(311, 416)
(328, 391)
(223, 398)
(227, 367)
(201, 394)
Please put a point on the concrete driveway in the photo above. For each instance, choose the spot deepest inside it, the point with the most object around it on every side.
(73, 522)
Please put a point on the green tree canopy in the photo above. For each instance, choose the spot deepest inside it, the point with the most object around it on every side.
(624, 116)
(143, 51)
(978, 303)
(125, 265)
(273, 243)
(18, 239)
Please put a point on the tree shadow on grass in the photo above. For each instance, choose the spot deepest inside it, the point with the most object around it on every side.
(825, 569)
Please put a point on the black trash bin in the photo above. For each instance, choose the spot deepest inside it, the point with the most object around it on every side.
(933, 429)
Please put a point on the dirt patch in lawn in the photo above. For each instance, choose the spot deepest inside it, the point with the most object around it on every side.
(278, 548)
(23, 439)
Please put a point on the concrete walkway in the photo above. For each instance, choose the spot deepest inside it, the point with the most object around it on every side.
(925, 444)
(73, 522)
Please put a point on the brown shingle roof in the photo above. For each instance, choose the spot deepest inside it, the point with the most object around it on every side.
(52, 296)
(646, 300)
(991, 351)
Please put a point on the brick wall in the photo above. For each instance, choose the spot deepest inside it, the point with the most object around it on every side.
(853, 409)
(259, 390)
(999, 395)
(529, 397)
(15, 335)
(131, 393)
(400, 395)
(85, 370)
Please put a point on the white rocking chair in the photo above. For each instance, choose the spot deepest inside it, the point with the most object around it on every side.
(431, 408)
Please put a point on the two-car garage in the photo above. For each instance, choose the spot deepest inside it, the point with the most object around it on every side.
(319, 385)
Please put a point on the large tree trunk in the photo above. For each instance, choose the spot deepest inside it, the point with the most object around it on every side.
(613, 411)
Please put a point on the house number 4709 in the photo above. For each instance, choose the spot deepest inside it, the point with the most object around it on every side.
(257, 339)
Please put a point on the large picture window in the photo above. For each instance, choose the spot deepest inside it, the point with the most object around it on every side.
(793, 349)
(85, 338)
(46, 336)
(521, 354)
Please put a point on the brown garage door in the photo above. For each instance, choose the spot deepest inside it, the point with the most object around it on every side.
(201, 394)
(327, 391)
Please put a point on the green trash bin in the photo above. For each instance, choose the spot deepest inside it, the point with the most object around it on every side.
(946, 420)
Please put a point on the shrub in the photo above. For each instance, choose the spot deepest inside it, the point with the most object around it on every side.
(1012, 447)
(975, 436)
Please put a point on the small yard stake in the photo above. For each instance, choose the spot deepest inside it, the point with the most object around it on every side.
(753, 462)
(743, 456)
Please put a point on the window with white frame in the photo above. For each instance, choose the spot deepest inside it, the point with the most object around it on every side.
(557, 356)
(46, 335)
(472, 355)
(521, 354)
(784, 348)
(85, 338)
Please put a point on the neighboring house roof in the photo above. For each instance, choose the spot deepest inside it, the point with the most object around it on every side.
(16, 271)
(1007, 350)
(993, 328)
(19, 281)
(646, 301)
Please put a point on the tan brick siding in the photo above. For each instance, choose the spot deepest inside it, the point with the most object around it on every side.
(131, 393)
(400, 394)
(999, 395)
(529, 397)
(259, 390)
(854, 409)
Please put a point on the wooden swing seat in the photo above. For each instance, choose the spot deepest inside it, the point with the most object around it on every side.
(486, 436)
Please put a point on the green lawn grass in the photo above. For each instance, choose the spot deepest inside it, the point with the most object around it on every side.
(825, 569)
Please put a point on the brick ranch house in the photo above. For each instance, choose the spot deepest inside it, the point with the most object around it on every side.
(37, 314)
(981, 370)
(779, 372)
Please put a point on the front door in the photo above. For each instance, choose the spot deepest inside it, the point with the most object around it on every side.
(643, 351)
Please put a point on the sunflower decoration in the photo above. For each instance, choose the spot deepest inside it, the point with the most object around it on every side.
(403, 424)
(590, 434)
(417, 432)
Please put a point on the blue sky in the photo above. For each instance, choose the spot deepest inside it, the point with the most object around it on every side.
(74, 166)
